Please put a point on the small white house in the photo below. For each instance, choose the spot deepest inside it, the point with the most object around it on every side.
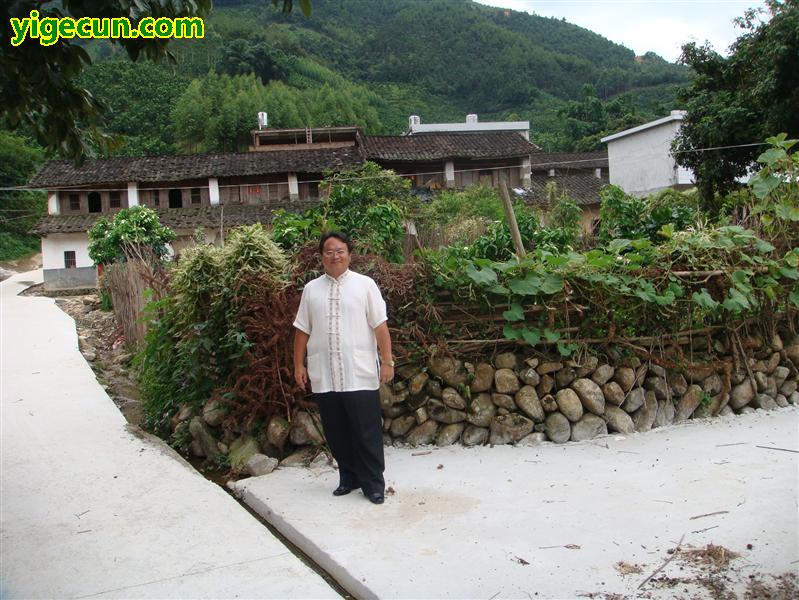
(640, 159)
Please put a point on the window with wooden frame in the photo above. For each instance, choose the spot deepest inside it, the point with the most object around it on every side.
(195, 195)
(70, 261)
(156, 196)
(114, 200)
(74, 202)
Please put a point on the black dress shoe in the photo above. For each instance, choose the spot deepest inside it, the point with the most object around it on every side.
(342, 490)
(376, 497)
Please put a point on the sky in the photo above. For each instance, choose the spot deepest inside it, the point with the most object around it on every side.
(647, 25)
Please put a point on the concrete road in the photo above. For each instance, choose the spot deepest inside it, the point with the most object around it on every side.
(590, 519)
(90, 508)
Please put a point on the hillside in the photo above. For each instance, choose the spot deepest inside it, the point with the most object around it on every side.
(373, 63)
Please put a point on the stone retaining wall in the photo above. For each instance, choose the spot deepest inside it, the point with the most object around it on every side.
(525, 398)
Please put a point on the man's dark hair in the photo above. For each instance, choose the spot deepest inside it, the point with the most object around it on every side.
(342, 237)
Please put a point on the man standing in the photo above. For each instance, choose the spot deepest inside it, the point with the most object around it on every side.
(341, 323)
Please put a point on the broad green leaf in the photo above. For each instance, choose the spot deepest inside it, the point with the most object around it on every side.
(483, 276)
(515, 313)
(499, 289)
(676, 289)
(531, 336)
(529, 286)
(736, 302)
(763, 246)
(552, 336)
(502, 267)
(510, 333)
(665, 299)
(599, 260)
(704, 299)
(558, 260)
(792, 258)
(617, 245)
(566, 349)
(787, 212)
(667, 231)
(794, 296)
(771, 156)
(763, 185)
(741, 280)
(552, 284)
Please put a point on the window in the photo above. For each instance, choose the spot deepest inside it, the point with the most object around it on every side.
(175, 199)
(95, 204)
(74, 202)
(113, 200)
(70, 262)
(195, 195)
(156, 196)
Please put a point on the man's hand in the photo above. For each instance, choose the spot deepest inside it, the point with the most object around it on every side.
(301, 376)
(386, 373)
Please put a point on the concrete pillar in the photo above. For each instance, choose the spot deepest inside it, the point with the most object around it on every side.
(53, 205)
(133, 194)
(449, 172)
(213, 190)
(294, 188)
(525, 174)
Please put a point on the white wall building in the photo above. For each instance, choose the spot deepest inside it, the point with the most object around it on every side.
(640, 159)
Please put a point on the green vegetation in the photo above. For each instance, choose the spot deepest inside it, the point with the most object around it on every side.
(130, 232)
(661, 267)
(742, 99)
(195, 340)
(366, 63)
(39, 86)
(19, 210)
(368, 204)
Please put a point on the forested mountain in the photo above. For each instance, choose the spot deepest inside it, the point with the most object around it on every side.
(373, 63)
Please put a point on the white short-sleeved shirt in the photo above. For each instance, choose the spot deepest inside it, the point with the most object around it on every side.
(340, 315)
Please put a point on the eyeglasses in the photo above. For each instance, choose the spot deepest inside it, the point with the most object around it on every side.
(332, 253)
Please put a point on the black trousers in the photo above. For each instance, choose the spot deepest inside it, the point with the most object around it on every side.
(354, 431)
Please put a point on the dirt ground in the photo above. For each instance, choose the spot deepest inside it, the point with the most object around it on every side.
(24, 264)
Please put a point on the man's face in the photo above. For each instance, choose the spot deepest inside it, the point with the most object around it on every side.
(335, 257)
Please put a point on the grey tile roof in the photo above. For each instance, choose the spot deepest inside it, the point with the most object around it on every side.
(439, 146)
(569, 160)
(175, 218)
(193, 166)
(583, 188)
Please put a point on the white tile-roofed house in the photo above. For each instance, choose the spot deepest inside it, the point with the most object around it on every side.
(282, 170)
(640, 158)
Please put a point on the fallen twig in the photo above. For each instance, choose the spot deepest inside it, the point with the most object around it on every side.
(667, 561)
(734, 444)
(705, 529)
(720, 512)
(421, 453)
(774, 448)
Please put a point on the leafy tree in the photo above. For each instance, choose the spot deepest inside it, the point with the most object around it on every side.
(19, 210)
(740, 100)
(260, 58)
(38, 84)
(130, 230)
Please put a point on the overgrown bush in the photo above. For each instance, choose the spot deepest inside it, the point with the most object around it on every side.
(130, 229)
(195, 339)
(369, 204)
(625, 216)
